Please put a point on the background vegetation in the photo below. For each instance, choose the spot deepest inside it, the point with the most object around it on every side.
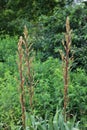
(45, 21)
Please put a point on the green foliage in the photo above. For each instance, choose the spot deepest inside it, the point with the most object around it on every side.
(46, 23)
(79, 39)
(13, 12)
(8, 50)
(48, 31)
(49, 89)
(9, 100)
(9, 97)
(54, 123)
(78, 96)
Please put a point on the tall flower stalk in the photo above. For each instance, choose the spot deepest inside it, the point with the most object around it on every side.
(66, 63)
(22, 98)
(26, 73)
(29, 74)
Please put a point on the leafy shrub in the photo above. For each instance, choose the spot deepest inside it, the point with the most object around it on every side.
(9, 97)
(49, 89)
(9, 100)
(8, 48)
(78, 96)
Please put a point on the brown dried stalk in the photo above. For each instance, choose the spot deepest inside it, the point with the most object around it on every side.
(22, 100)
(29, 74)
(66, 62)
(25, 55)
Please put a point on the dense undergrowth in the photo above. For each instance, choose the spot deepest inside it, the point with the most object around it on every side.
(48, 91)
